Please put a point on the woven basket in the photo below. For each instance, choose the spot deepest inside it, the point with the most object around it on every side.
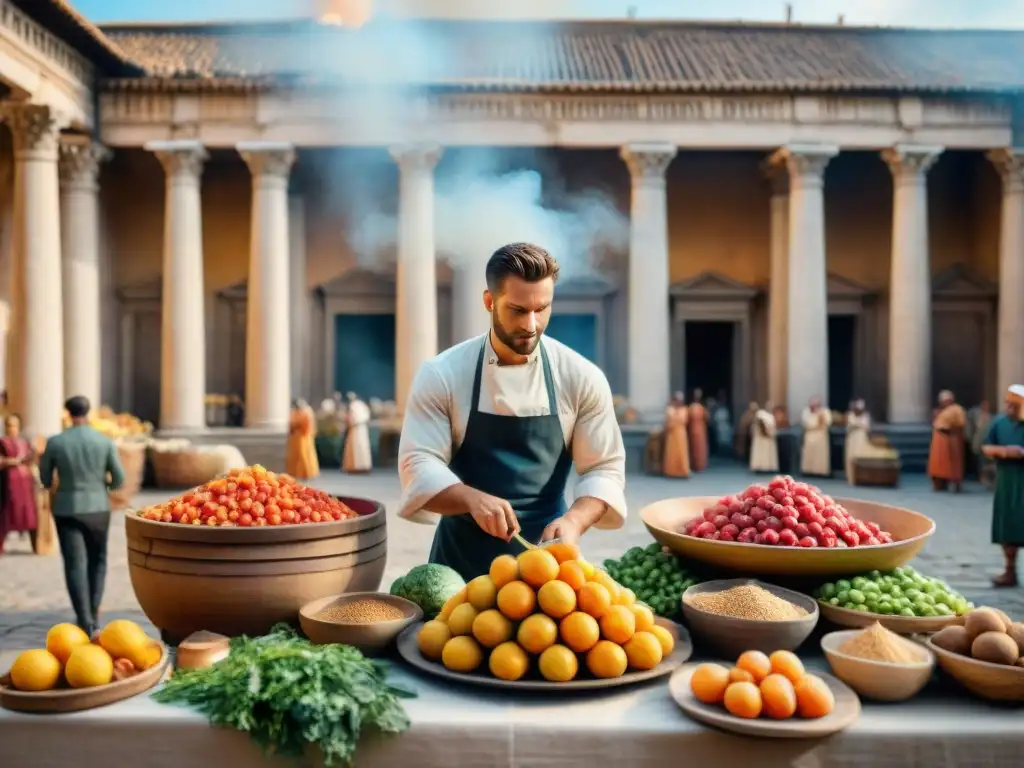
(133, 461)
(185, 469)
(877, 472)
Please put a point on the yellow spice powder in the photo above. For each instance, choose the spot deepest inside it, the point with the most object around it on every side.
(876, 643)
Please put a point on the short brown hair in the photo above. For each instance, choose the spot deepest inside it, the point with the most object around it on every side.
(526, 261)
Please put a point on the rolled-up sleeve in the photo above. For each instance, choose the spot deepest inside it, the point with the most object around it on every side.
(597, 449)
(425, 448)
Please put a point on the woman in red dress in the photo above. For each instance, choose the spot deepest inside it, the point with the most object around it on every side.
(17, 485)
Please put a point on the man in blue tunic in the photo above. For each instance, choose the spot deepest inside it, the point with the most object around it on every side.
(1004, 444)
(493, 426)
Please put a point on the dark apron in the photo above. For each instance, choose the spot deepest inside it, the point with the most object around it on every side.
(522, 459)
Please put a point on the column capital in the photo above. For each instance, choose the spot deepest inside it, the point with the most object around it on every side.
(647, 163)
(180, 158)
(908, 163)
(1009, 162)
(803, 162)
(417, 157)
(35, 128)
(268, 158)
(79, 163)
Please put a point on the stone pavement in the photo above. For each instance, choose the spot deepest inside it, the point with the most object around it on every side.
(33, 597)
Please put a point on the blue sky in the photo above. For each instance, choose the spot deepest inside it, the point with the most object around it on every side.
(929, 13)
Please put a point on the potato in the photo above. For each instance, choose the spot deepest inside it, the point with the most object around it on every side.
(995, 648)
(1016, 631)
(982, 620)
(953, 639)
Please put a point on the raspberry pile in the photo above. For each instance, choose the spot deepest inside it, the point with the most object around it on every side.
(785, 513)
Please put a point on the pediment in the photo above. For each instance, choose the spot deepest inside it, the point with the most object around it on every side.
(590, 286)
(840, 287)
(713, 285)
(145, 290)
(959, 281)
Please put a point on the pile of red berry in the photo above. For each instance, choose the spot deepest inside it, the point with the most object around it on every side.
(785, 513)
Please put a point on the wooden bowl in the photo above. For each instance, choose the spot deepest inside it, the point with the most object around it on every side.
(369, 638)
(901, 625)
(995, 682)
(878, 680)
(910, 530)
(729, 637)
(236, 581)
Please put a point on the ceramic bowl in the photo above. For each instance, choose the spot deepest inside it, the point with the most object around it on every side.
(878, 680)
(370, 638)
(995, 682)
(729, 637)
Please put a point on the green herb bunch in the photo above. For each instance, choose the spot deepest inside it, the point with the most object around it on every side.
(287, 693)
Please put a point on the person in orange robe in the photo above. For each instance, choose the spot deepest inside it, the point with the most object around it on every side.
(301, 460)
(946, 456)
(697, 431)
(675, 460)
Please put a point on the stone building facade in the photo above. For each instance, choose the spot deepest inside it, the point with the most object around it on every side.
(812, 210)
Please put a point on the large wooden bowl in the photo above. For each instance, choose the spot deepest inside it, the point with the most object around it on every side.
(237, 581)
(994, 682)
(910, 530)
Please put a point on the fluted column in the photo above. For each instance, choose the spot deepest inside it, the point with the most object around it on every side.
(778, 288)
(807, 273)
(268, 318)
(649, 321)
(79, 207)
(1010, 163)
(183, 322)
(416, 295)
(301, 352)
(469, 315)
(36, 372)
(910, 286)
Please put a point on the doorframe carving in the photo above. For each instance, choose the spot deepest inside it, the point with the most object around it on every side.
(960, 289)
(848, 298)
(133, 300)
(713, 297)
(587, 295)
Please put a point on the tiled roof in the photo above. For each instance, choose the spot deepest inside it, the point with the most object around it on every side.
(60, 17)
(596, 55)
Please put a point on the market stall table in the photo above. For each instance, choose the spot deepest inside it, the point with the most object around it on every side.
(454, 725)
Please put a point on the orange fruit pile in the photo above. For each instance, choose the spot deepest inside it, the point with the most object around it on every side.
(546, 610)
(773, 686)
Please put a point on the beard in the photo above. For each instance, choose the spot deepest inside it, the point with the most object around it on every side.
(521, 345)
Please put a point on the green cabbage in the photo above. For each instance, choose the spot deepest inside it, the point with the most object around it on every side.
(429, 586)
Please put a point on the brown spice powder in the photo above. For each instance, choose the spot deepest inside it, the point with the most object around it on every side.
(876, 643)
(748, 601)
(367, 611)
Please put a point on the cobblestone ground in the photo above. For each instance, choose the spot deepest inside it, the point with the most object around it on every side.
(33, 597)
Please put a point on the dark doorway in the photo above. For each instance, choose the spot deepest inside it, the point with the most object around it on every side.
(578, 332)
(364, 356)
(709, 357)
(842, 332)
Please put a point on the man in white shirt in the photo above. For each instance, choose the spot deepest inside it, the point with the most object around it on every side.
(493, 426)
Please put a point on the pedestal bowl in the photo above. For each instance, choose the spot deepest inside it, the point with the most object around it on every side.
(237, 581)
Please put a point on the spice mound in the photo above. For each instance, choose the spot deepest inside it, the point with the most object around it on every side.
(876, 643)
(747, 601)
(368, 611)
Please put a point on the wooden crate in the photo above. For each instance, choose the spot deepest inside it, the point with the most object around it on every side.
(876, 472)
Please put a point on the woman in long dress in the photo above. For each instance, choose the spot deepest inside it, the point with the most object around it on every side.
(816, 452)
(357, 457)
(697, 432)
(675, 460)
(301, 459)
(743, 433)
(946, 455)
(764, 451)
(858, 425)
(18, 511)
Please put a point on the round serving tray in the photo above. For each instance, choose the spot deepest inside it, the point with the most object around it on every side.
(901, 625)
(77, 699)
(409, 650)
(846, 711)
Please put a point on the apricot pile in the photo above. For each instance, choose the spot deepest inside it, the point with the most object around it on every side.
(775, 687)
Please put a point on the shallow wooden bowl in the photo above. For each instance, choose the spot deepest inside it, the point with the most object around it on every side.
(878, 680)
(995, 682)
(901, 625)
(369, 638)
(730, 637)
(910, 530)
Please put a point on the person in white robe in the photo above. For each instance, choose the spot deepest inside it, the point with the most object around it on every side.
(357, 456)
(816, 451)
(764, 450)
(858, 427)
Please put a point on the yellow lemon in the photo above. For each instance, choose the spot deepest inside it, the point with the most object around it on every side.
(557, 599)
(481, 593)
(504, 569)
(462, 654)
(461, 620)
(452, 603)
(508, 662)
(62, 639)
(537, 633)
(558, 664)
(643, 616)
(432, 638)
(643, 651)
(35, 670)
(89, 666)
(491, 629)
(668, 643)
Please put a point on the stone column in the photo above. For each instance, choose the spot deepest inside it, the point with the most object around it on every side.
(183, 322)
(1010, 163)
(778, 289)
(36, 370)
(469, 316)
(83, 325)
(268, 318)
(649, 319)
(807, 274)
(416, 294)
(301, 351)
(6, 261)
(910, 281)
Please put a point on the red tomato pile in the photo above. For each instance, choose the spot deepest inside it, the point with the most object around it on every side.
(251, 497)
(785, 513)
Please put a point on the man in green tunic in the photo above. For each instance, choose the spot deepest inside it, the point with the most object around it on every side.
(1004, 444)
